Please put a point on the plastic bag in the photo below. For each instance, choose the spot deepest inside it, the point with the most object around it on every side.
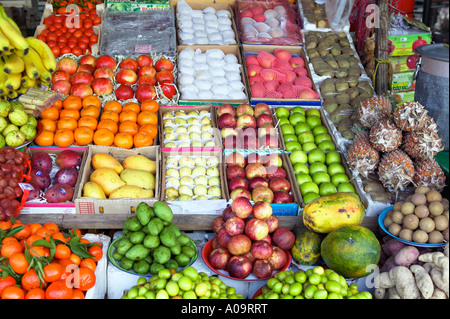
(338, 13)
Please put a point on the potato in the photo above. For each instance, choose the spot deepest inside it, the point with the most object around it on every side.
(392, 246)
(406, 256)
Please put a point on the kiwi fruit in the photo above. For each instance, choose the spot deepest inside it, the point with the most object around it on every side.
(433, 196)
(435, 237)
(440, 222)
(419, 236)
(410, 221)
(436, 208)
(426, 224)
(418, 199)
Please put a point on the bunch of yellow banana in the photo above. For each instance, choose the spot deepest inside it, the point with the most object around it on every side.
(24, 61)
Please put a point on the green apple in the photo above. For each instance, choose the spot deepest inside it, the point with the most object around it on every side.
(336, 168)
(281, 112)
(321, 177)
(292, 146)
(327, 188)
(296, 118)
(283, 121)
(308, 146)
(336, 179)
(301, 127)
(309, 197)
(298, 156)
(303, 178)
(316, 155)
(308, 187)
(326, 146)
(298, 109)
(313, 112)
(287, 129)
(301, 168)
(290, 137)
(305, 137)
(333, 156)
(313, 121)
(320, 129)
(319, 138)
(317, 167)
(346, 187)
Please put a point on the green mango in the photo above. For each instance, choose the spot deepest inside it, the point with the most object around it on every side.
(161, 254)
(132, 224)
(155, 268)
(137, 252)
(183, 239)
(171, 264)
(175, 249)
(188, 251)
(182, 259)
(137, 237)
(141, 267)
(155, 225)
(144, 213)
(123, 245)
(168, 237)
(126, 263)
(163, 211)
(117, 256)
(151, 241)
(149, 259)
(175, 229)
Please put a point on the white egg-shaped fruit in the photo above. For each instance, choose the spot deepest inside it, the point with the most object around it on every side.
(185, 80)
(205, 95)
(209, 10)
(210, 17)
(223, 13)
(203, 85)
(236, 85)
(233, 76)
(219, 80)
(187, 53)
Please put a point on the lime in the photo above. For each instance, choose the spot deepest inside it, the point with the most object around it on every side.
(277, 287)
(160, 283)
(285, 289)
(185, 283)
(142, 291)
(162, 294)
(315, 279)
(231, 291)
(164, 273)
(172, 288)
(191, 272)
(287, 297)
(176, 276)
(295, 289)
(190, 294)
(201, 289)
(289, 279)
(300, 277)
(272, 295)
(319, 270)
(150, 295)
(333, 286)
(333, 295)
(133, 292)
(271, 282)
(309, 291)
(141, 281)
(366, 293)
(320, 294)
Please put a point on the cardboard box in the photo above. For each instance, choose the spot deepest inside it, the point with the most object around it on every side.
(88, 205)
(137, 5)
(322, 117)
(194, 206)
(187, 109)
(41, 206)
(403, 81)
(248, 49)
(290, 209)
(233, 49)
(402, 44)
(403, 63)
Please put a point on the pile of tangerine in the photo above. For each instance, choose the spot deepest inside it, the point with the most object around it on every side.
(82, 121)
(65, 34)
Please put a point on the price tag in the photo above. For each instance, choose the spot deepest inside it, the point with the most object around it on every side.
(143, 48)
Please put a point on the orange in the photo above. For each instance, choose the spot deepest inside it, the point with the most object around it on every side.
(108, 124)
(110, 115)
(53, 272)
(91, 100)
(150, 105)
(128, 115)
(72, 102)
(4, 225)
(124, 140)
(67, 123)
(90, 110)
(23, 233)
(142, 139)
(59, 235)
(59, 290)
(83, 135)
(150, 129)
(63, 138)
(51, 113)
(13, 292)
(45, 138)
(35, 293)
(58, 104)
(84, 278)
(18, 262)
(147, 117)
(77, 293)
(5, 282)
(48, 124)
(62, 251)
(30, 280)
(52, 226)
(89, 263)
(103, 137)
(31, 239)
(112, 106)
(34, 227)
(128, 127)
(75, 259)
(88, 121)
(10, 248)
(131, 106)
(75, 114)
(96, 251)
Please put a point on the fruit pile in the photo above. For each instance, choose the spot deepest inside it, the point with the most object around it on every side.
(191, 129)
(60, 6)
(398, 144)
(14, 165)
(422, 218)
(247, 127)
(258, 177)
(279, 75)
(151, 242)
(192, 177)
(183, 284)
(16, 126)
(314, 283)
(42, 261)
(78, 121)
(57, 187)
(133, 177)
(68, 33)
(24, 62)
(246, 245)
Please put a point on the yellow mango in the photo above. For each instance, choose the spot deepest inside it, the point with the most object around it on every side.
(131, 191)
(92, 189)
(138, 177)
(139, 162)
(107, 179)
(105, 160)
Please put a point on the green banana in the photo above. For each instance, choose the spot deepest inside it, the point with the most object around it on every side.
(13, 81)
(4, 42)
(48, 58)
(13, 64)
(33, 57)
(10, 31)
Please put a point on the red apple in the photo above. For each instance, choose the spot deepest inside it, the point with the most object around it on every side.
(261, 108)
(145, 92)
(275, 171)
(164, 75)
(266, 129)
(106, 60)
(81, 90)
(144, 59)
(226, 108)
(130, 64)
(279, 184)
(232, 141)
(244, 108)
(61, 86)
(237, 182)
(262, 210)
(228, 131)
(217, 224)
(146, 70)
(264, 119)
(245, 120)
(282, 197)
(102, 86)
(235, 226)
(253, 170)
(67, 64)
(227, 213)
(254, 158)
(272, 160)
(283, 238)
(249, 256)
(81, 77)
(239, 267)
(60, 75)
(262, 193)
(146, 79)
(272, 222)
(168, 89)
(215, 243)
(270, 141)
(235, 159)
(124, 92)
(86, 68)
(163, 64)
(240, 192)
(261, 249)
(104, 72)
(257, 181)
(256, 229)
(239, 244)
(278, 258)
(219, 257)
(126, 76)
(242, 207)
(235, 171)
(226, 120)
(87, 59)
